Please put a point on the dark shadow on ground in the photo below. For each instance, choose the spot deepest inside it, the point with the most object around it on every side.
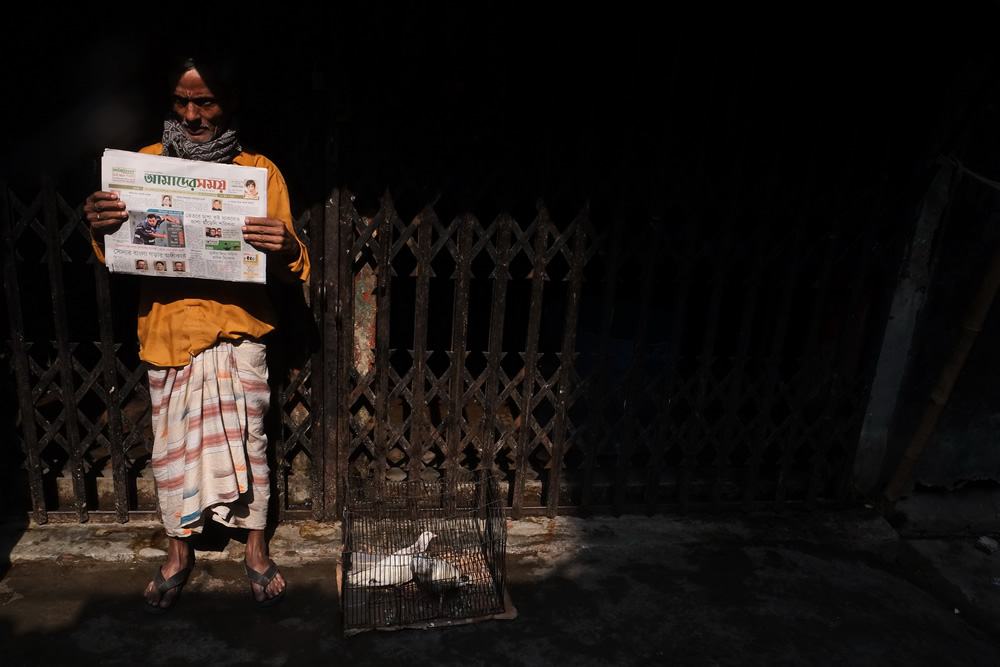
(610, 602)
(11, 531)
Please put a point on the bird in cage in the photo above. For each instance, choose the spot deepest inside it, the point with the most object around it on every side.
(436, 577)
(388, 570)
(419, 546)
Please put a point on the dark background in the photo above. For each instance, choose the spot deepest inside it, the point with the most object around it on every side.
(493, 105)
(612, 101)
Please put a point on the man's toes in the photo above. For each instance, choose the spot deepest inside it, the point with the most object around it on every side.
(167, 597)
(153, 596)
(273, 589)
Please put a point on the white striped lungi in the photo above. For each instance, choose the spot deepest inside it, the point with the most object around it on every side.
(209, 447)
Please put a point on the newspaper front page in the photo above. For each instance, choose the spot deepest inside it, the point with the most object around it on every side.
(185, 217)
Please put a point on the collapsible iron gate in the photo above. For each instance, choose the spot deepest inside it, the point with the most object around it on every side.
(599, 360)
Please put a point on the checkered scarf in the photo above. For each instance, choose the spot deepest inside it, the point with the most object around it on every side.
(223, 148)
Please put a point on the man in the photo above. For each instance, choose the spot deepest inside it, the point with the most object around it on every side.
(179, 267)
(146, 231)
(140, 264)
(200, 335)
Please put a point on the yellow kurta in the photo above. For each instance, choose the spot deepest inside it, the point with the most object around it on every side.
(181, 317)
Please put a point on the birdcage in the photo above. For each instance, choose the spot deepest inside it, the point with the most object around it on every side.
(423, 553)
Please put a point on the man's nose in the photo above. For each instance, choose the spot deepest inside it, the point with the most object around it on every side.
(191, 113)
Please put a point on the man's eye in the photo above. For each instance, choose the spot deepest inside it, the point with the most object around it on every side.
(202, 102)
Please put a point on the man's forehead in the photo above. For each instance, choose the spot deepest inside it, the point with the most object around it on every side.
(192, 86)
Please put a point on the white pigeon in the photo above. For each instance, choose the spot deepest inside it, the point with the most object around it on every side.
(391, 570)
(419, 546)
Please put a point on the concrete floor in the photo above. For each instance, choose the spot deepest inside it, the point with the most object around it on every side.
(838, 589)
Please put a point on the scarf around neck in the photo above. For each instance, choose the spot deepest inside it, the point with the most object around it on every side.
(223, 148)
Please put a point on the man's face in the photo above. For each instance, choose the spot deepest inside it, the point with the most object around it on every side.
(199, 112)
(152, 220)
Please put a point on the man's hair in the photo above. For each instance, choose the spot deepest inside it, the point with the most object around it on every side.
(216, 67)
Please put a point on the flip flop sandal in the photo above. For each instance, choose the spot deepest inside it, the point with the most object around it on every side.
(163, 585)
(262, 579)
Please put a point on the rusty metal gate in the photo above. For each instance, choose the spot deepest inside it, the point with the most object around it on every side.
(602, 359)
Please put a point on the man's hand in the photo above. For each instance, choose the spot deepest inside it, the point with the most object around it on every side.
(269, 235)
(104, 212)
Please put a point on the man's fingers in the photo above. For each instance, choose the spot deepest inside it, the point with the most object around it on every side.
(264, 226)
(269, 235)
(105, 201)
(104, 211)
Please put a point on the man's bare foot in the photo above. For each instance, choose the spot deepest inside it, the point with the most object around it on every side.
(266, 582)
(161, 593)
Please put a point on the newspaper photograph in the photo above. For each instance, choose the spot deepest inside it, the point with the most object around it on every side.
(185, 217)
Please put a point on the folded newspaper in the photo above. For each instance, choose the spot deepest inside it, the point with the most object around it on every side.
(185, 217)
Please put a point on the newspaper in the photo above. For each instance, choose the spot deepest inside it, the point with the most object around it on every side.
(185, 217)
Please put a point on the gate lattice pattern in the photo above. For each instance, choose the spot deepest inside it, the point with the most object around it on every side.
(83, 419)
(598, 360)
(608, 364)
